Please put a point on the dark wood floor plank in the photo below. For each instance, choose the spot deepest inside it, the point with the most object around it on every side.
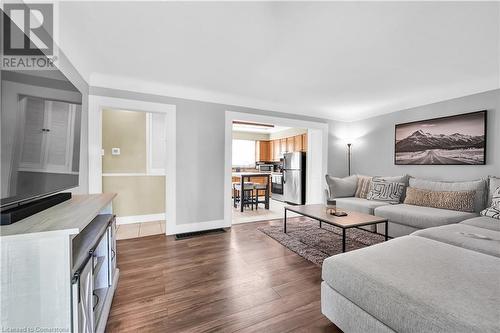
(240, 280)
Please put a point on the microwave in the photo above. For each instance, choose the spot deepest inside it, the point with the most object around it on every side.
(266, 167)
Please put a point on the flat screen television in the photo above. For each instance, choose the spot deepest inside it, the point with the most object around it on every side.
(41, 126)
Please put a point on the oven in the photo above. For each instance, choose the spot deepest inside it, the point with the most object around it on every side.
(277, 186)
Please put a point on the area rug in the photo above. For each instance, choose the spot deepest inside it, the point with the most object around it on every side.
(305, 238)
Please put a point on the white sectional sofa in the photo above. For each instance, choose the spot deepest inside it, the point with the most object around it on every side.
(441, 279)
(444, 277)
(405, 219)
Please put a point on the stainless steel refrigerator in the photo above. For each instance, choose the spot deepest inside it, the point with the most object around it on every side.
(294, 178)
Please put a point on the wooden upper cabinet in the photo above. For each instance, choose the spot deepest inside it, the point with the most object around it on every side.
(304, 142)
(298, 145)
(276, 150)
(282, 147)
(263, 151)
(290, 145)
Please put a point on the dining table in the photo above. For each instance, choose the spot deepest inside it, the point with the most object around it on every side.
(247, 176)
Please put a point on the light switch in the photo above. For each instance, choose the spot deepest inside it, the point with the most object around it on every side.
(102, 152)
(115, 151)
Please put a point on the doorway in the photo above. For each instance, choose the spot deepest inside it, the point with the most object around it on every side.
(133, 167)
(315, 135)
(108, 168)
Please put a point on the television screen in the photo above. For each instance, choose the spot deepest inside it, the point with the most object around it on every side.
(459, 139)
(41, 124)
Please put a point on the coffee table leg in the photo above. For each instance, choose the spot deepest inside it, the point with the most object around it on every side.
(387, 230)
(284, 223)
(343, 239)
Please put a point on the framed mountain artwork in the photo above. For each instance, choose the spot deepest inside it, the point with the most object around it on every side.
(459, 139)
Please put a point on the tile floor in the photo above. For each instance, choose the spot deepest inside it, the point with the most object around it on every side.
(275, 211)
(134, 230)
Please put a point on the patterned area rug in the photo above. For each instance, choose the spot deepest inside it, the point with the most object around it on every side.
(305, 238)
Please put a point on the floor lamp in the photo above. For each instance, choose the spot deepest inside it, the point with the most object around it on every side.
(349, 158)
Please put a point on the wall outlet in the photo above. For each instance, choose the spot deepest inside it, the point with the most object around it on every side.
(115, 151)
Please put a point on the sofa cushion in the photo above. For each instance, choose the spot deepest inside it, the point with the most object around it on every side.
(359, 205)
(415, 284)
(483, 222)
(460, 200)
(342, 187)
(466, 236)
(381, 190)
(477, 185)
(421, 217)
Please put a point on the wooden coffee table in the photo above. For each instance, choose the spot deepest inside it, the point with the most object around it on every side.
(352, 220)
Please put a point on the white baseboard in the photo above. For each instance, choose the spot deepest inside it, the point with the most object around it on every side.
(140, 218)
(200, 226)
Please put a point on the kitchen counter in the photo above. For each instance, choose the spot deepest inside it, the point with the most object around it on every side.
(251, 174)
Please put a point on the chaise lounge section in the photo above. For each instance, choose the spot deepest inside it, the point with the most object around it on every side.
(439, 279)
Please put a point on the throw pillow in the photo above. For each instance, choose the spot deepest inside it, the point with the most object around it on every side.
(381, 190)
(396, 179)
(493, 184)
(459, 201)
(480, 186)
(495, 198)
(492, 212)
(363, 186)
(341, 187)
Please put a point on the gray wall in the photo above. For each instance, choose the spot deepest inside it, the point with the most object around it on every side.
(373, 150)
(200, 152)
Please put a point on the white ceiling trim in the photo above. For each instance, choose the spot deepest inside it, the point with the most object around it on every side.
(419, 98)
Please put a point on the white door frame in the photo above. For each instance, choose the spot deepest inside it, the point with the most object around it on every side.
(96, 105)
(316, 160)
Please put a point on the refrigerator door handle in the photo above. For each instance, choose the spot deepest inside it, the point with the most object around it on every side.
(284, 177)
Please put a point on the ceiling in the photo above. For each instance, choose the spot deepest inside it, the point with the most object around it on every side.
(335, 60)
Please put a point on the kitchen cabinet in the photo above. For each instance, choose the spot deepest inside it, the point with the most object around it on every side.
(298, 143)
(282, 147)
(290, 145)
(276, 150)
(263, 151)
(304, 142)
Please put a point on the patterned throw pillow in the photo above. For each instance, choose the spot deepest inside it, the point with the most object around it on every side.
(389, 192)
(492, 212)
(363, 186)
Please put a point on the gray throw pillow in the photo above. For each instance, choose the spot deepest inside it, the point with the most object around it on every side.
(381, 190)
(341, 187)
(494, 184)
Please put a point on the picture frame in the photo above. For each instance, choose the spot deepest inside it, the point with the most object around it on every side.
(451, 140)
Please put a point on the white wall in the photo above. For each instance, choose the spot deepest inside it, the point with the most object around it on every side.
(373, 148)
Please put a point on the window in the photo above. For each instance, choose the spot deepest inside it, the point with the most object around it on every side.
(244, 153)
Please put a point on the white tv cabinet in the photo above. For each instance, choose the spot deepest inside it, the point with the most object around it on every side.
(58, 267)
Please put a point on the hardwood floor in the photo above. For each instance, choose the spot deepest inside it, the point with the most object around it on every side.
(241, 280)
